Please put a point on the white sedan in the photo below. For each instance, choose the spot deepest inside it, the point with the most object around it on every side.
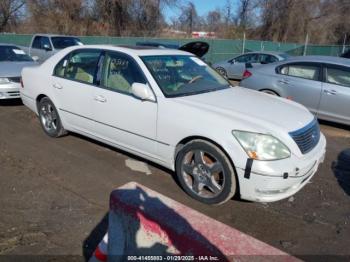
(169, 107)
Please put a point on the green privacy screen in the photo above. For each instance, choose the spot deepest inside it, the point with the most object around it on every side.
(220, 49)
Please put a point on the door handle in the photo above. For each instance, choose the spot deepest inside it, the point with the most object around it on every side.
(283, 81)
(330, 92)
(101, 99)
(57, 86)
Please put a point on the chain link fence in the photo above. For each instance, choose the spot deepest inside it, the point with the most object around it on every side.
(220, 49)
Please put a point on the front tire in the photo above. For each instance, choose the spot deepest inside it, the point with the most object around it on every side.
(49, 119)
(205, 172)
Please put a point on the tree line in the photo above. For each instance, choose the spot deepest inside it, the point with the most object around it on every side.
(324, 21)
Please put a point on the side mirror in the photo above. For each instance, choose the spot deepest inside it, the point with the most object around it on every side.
(35, 58)
(143, 92)
(47, 47)
(232, 61)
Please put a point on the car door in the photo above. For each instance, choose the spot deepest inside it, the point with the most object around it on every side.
(121, 118)
(35, 49)
(300, 82)
(335, 99)
(46, 48)
(73, 83)
(237, 65)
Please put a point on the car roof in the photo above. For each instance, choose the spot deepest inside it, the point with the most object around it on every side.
(265, 53)
(55, 35)
(321, 59)
(135, 50)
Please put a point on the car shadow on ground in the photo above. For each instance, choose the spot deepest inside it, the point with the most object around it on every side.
(11, 102)
(155, 165)
(140, 224)
(341, 170)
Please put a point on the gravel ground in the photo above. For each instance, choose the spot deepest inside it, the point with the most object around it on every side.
(54, 194)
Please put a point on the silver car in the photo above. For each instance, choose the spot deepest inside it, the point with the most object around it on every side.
(321, 83)
(12, 60)
(234, 68)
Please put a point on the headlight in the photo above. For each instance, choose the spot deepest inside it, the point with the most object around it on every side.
(4, 80)
(260, 146)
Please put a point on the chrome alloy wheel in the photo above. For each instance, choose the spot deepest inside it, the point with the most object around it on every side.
(203, 173)
(48, 117)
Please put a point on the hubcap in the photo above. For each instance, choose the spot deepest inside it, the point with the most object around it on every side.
(48, 117)
(203, 173)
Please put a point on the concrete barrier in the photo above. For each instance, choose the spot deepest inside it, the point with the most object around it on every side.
(144, 224)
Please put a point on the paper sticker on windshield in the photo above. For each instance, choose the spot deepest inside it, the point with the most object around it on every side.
(18, 51)
(198, 61)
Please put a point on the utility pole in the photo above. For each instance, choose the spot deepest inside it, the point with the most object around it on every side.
(344, 42)
(306, 43)
(243, 44)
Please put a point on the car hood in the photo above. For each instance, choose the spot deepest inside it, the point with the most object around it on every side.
(13, 69)
(261, 110)
(197, 48)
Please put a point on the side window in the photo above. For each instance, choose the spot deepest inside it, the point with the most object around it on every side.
(267, 59)
(60, 67)
(310, 72)
(120, 72)
(338, 76)
(250, 58)
(37, 42)
(82, 65)
(45, 42)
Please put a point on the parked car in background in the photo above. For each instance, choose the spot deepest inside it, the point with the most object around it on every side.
(12, 61)
(321, 83)
(346, 54)
(197, 48)
(234, 68)
(171, 108)
(42, 46)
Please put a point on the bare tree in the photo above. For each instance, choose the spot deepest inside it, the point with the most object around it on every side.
(188, 17)
(9, 10)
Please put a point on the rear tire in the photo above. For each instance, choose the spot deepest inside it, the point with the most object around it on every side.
(205, 172)
(49, 119)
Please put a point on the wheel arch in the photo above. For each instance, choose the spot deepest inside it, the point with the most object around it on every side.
(271, 90)
(188, 139)
(38, 99)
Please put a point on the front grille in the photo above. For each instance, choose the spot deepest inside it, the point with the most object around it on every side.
(16, 79)
(13, 94)
(307, 137)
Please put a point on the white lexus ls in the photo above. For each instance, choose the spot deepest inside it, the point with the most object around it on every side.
(170, 107)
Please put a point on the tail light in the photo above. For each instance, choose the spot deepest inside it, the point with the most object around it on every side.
(21, 81)
(247, 74)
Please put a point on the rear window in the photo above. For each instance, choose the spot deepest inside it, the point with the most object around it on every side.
(63, 42)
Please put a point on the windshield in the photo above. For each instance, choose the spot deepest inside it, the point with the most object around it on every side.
(63, 42)
(284, 56)
(179, 75)
(13, 53)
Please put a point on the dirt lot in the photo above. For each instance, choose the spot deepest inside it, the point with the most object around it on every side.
(54, 194)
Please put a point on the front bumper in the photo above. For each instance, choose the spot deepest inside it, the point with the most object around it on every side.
(10, 90)
(275, 180)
